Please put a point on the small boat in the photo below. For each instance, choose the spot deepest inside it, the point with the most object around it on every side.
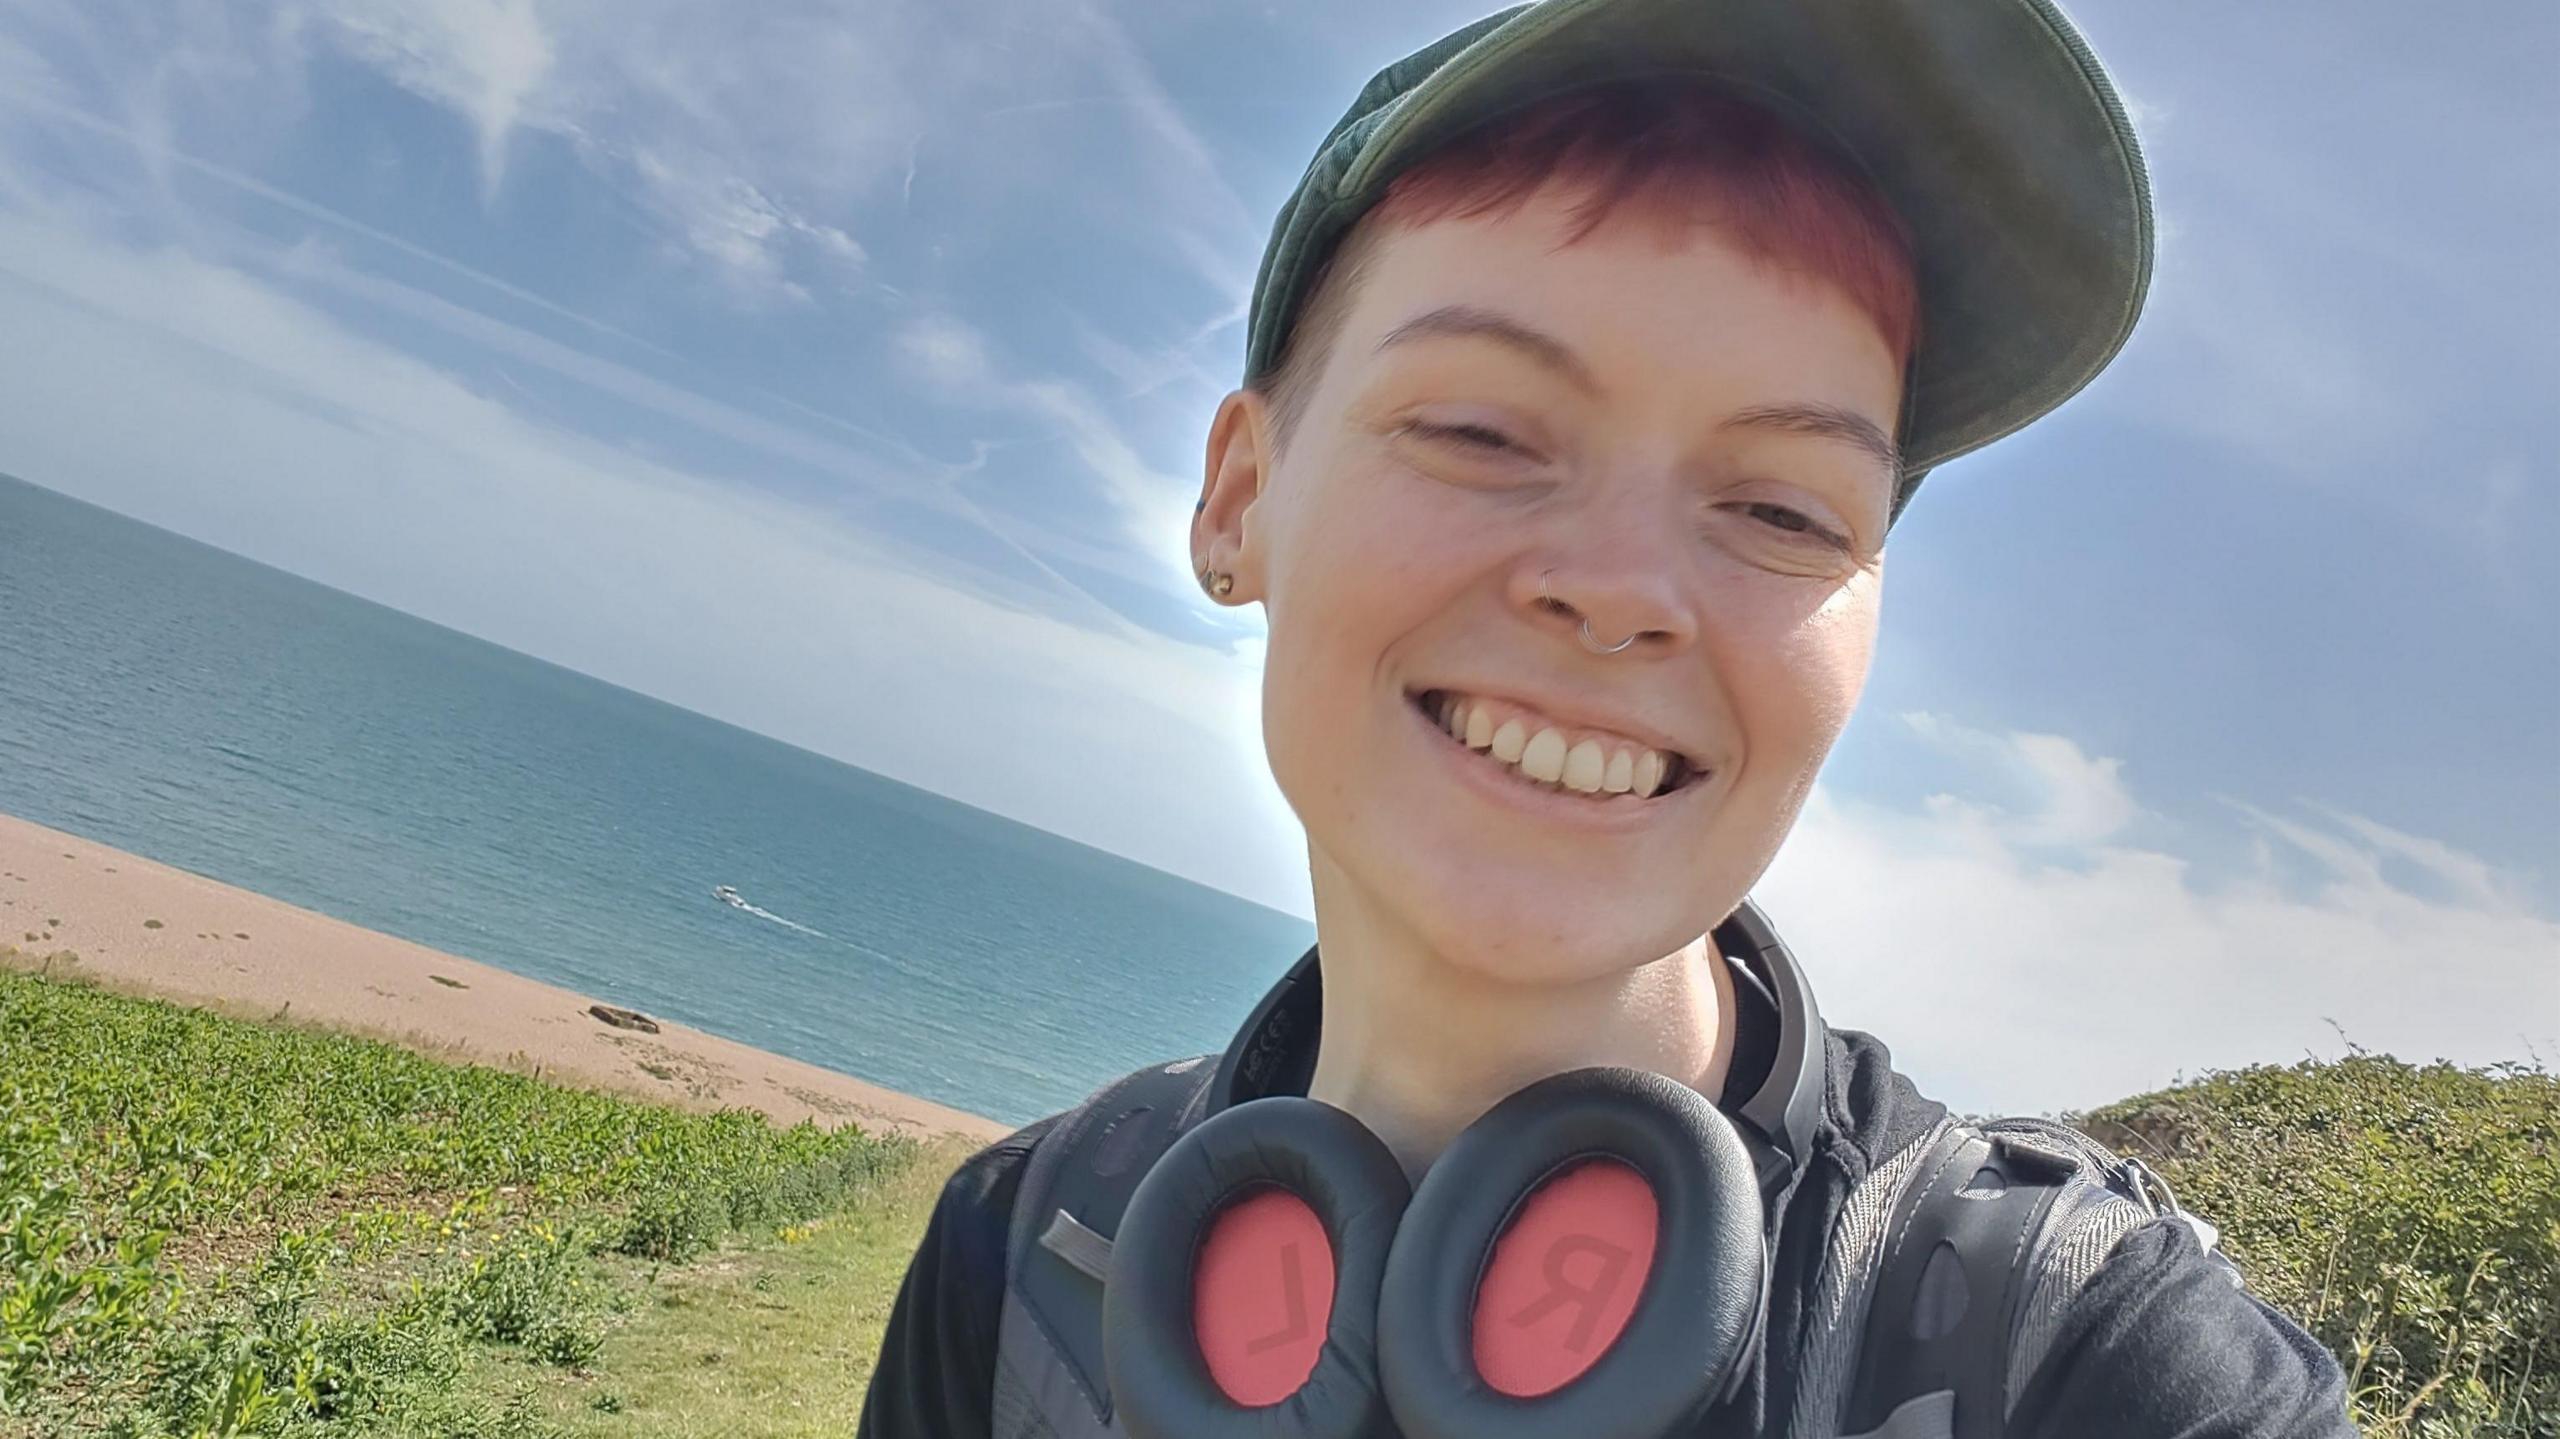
(728, 896)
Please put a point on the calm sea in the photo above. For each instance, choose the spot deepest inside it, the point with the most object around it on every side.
(183, 703)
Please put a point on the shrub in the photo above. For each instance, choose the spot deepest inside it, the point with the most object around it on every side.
(2408, 1215)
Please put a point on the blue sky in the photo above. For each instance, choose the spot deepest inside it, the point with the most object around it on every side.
(842, 370)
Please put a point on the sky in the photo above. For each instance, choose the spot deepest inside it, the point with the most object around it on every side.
(841, 369)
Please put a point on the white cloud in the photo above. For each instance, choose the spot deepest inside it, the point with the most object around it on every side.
(2079, 798)
(485, 58)
(2009, 974)
(2474, 880)
(748, 236)
(742, 135)
(947, 352)
(759, 137)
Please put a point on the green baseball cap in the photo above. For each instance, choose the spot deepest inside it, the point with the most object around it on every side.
(1988, 125)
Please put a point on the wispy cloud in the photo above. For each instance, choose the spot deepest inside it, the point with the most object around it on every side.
(158, 153)
(766, 141)
(2009, 971)
(486, 58)
(1193, 193)
(1153, 507)
(749, 142)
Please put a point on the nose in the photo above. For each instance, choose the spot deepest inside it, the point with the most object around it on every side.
(1626, 597)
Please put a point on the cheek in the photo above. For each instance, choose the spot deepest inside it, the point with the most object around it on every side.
(1796, 671)
(1322, 608)
(1359, 555)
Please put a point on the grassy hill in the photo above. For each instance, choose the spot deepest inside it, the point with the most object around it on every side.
(213, 1227)
(2408, 1215)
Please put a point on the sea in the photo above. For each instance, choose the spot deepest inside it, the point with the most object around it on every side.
(221, 716)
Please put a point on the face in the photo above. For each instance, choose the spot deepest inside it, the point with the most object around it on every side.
(1657, 437)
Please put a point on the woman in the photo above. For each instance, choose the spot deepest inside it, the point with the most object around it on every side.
(1590, 366)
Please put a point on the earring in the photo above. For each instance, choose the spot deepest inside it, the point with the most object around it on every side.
(1218, 583)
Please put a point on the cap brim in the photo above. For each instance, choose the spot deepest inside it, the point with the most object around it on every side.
(1988, 126)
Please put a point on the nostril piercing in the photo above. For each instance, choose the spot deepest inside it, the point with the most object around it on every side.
(1548, 601)
(1590, 641)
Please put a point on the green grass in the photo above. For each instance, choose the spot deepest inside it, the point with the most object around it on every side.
(2409, 1215)
(773, 1336)
(212, 1227)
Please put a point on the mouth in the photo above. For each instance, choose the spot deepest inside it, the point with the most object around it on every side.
(1531, 749)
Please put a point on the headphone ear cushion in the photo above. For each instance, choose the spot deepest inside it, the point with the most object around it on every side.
(1243, 1297)
(1586, 1259)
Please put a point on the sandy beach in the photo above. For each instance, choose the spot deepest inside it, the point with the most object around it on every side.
(145, 928)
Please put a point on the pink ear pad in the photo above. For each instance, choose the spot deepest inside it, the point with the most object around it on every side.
(1262, 1296)
(1564, 1278)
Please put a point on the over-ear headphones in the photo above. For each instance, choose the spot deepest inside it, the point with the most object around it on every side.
(1589, 1258)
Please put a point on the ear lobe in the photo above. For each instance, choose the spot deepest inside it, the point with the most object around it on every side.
(1234, 470)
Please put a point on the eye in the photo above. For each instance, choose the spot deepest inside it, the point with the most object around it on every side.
(1472, 437)
(1791, 521)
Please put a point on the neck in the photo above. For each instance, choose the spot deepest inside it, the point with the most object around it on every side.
(1418, 1044)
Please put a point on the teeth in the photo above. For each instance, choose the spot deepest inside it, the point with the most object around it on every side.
(1543, 760)
(1621, 774)
(1582, 767)
(1592, 766)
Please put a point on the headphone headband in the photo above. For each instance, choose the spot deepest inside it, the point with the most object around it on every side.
(1782, 1112)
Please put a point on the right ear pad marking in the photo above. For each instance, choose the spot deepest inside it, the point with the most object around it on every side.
(1563, 1280)
(1539, 1198)
(1203, 1334)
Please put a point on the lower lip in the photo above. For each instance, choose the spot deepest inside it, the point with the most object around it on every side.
(1503, 786)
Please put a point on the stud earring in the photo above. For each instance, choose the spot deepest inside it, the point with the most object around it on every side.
(1218, 583)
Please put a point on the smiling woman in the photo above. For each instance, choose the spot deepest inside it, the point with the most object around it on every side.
(1535, 419)
(1584, 389)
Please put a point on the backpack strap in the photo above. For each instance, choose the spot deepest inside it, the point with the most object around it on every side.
(1049, 1381)
(1996, 1230)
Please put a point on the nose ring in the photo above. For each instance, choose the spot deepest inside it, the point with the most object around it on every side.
(1598, 648)
(1590, 641)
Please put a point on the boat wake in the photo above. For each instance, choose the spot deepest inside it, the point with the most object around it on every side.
(730, 897)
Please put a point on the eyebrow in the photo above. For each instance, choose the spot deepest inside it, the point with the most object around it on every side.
(1476, 322)
(1827, 422)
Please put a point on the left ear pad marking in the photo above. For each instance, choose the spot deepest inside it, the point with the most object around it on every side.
(1201, 1334)
(1262, 1296)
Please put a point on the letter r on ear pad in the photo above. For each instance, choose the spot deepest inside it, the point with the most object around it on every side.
(1585, 1260)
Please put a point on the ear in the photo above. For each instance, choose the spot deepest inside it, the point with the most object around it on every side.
(1238, 463)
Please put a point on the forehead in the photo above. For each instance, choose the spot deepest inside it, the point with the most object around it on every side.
(1643, 306)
